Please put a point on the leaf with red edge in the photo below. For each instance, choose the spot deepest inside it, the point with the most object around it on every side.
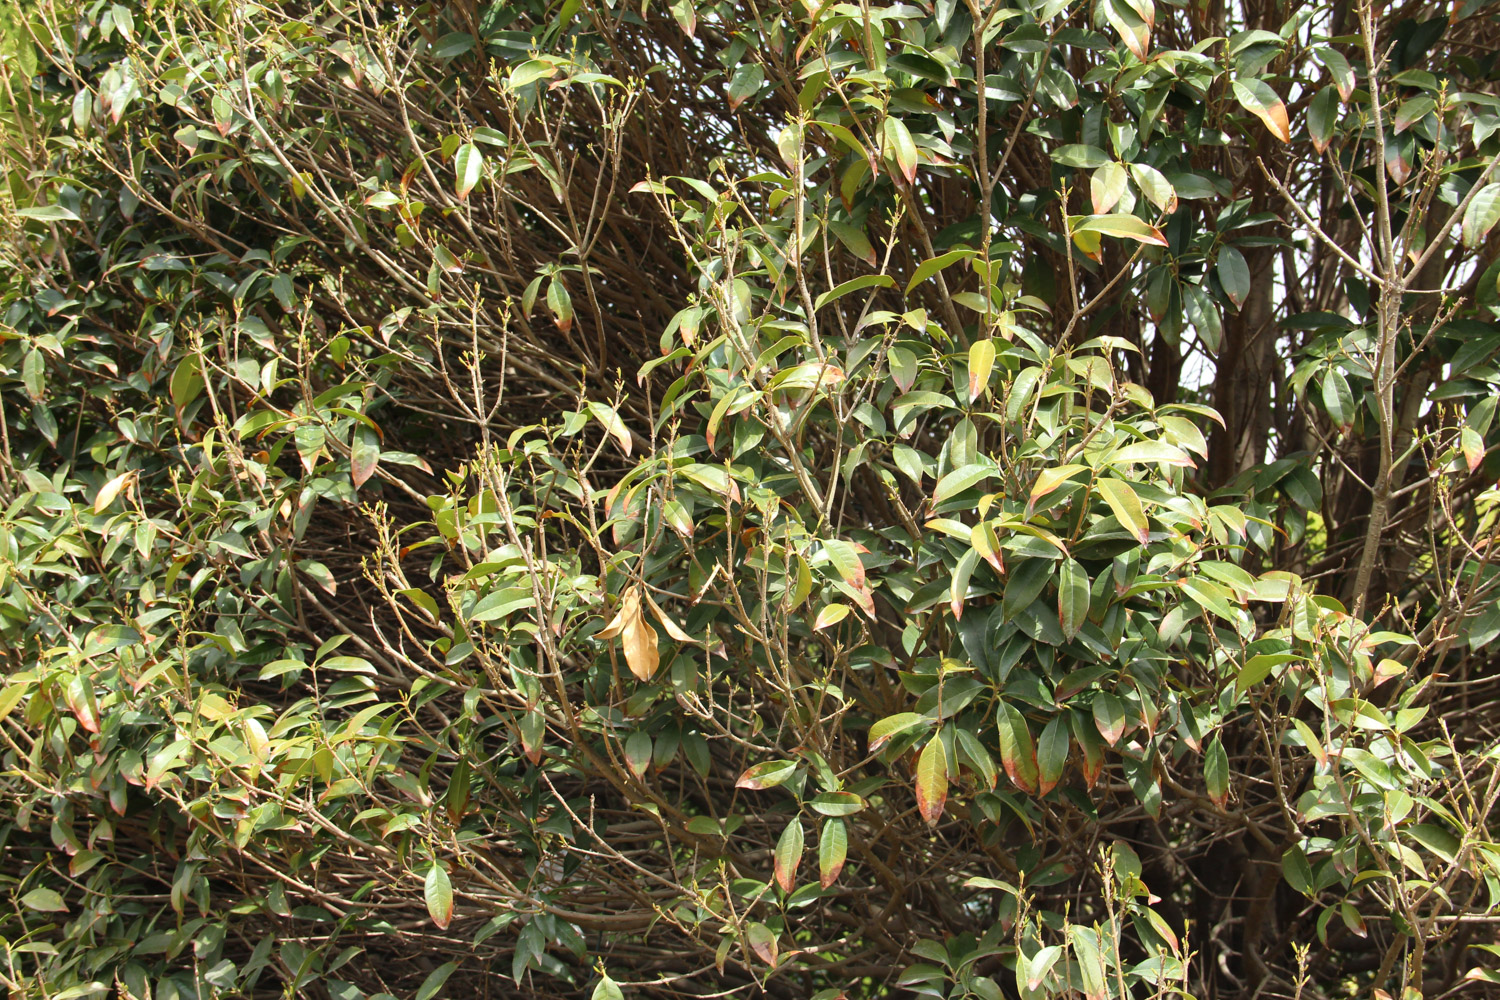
(437, 892)
(1051, 754)
(833, 849)
(1017, 752)
(1109, 717)
(900, 147)
(1216, 772)
(767, 774)
(364, 455)
(762, 941)
(788, 855)
(1257, 97)
(932, 780)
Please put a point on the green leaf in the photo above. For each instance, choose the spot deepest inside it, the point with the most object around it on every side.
(900, 147)
(1109, 717)
(1338, 68)
(186, 383)
(854, 285)
(48, 213)
(958, 587)
(1072, 597)
(1234, 275)
(1413, 110)
(364, 455)
(1052, 753)
(1133, 29)
(1257, 97)
(1050, 479)
(34, 375)
(789, 855)
(434, 981)
(1080, 156)
(981, 364)
(1482, 214)
(1126, 506)
(932, 780)
(789, 144)
(468, 166)
(437, 892)
(833, 849)
(962, 479)
(979, 759)
(1216, 772)
(1107, 186)
(746, 83)
(1323, 117)
(1203, 312)
(1150, 453)
(836, 803)
(854, 240)
(1017, 753)
(932, 266)
(1298, 872)
(609, 418)
(1155, 186)
(1338, 398)
(44, 901)
(638, 752)
(1020, 392)
(768, 774)
(846, 562)
(894, 725)
(1259, 667)
(1436, 839)
(530, 71)
(559, 304)
(606, 989)
(1126, 227)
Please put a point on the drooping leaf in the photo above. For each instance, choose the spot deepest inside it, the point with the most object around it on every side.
(1107, 185)
(437, 892)
(746, 82)
(1017, 751)
(1482, 214)
(44, 901)
(981, 364)
(932, 781)
(1072, 597)
(1052, 754)
(833, 849)
(900, 147)
(1323, 117)
(1257, 97)
(1216, 772)
(1126, 506)
(468, 167)
(1234, 275)
(894, 725)
(788, 855)
(1109, 717)
(962, 479)
(767, 774)
(1127, 227)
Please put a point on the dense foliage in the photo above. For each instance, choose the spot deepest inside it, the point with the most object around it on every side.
(588, 498)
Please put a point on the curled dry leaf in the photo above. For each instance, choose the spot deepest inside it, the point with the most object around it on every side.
(673, 629)
(636, 634)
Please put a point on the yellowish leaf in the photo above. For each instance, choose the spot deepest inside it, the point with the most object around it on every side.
(111, 489)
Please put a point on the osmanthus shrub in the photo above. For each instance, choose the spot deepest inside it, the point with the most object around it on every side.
(600, 499)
